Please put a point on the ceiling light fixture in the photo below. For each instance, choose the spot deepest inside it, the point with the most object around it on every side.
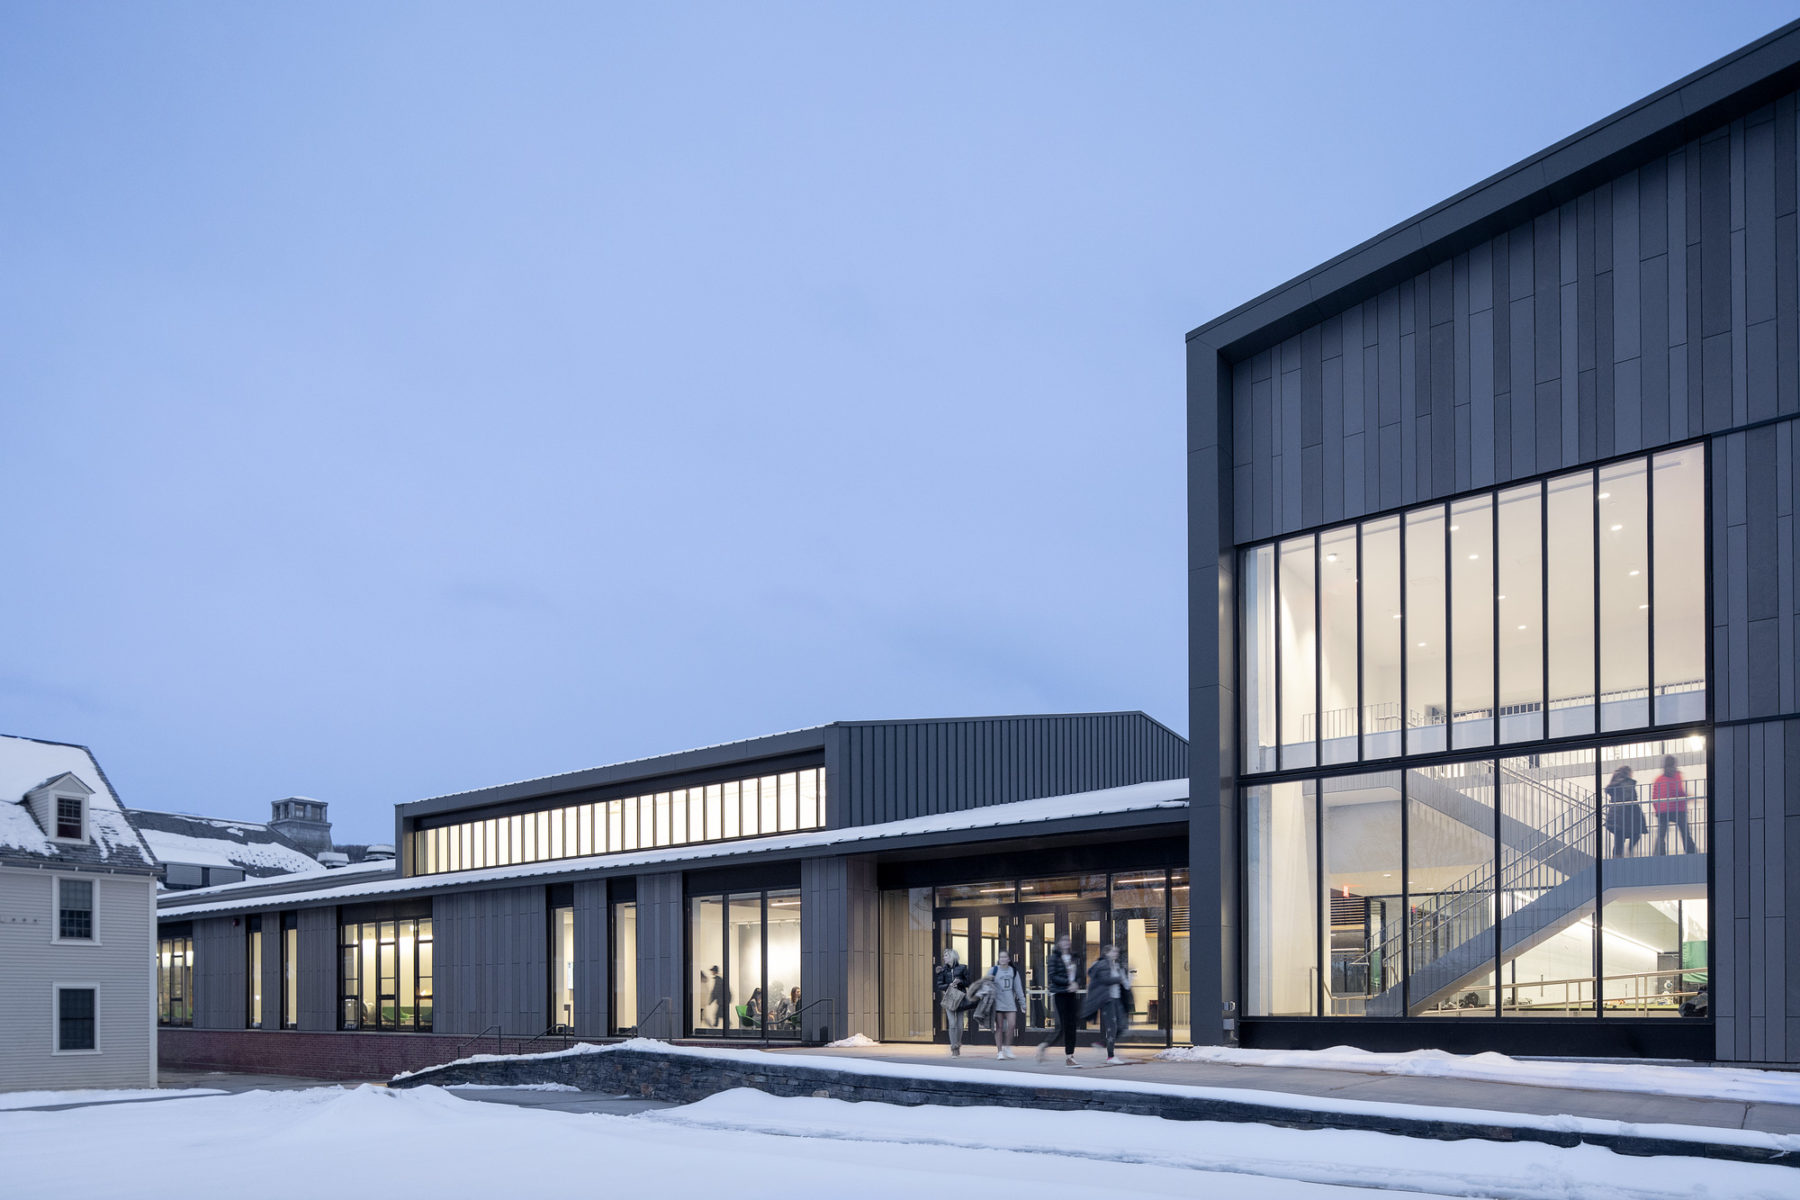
(1606, 495)
(1616, 528)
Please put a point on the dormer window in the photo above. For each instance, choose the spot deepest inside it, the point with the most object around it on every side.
(71, 818)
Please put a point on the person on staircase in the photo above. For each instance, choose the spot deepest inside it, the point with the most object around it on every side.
(1624, 816)
(1669, 797)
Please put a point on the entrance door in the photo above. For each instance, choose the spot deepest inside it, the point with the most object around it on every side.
(1039, 930)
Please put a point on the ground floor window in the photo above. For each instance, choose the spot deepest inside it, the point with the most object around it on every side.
(562, 968)
(744, 953)
(386, 974)
(290, 971)
(175, 981)
(1144, 912)
(76, 1012)
(1566, 883)
(253, 971)
(624, 972)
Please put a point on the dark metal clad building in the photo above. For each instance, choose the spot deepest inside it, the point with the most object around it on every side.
(1492, 553)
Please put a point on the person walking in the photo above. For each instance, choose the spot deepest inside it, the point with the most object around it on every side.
(1009, 1002)
(1669, 797)
(951, 983)
(1624, 818)
(1108, 984)
(1065, 992)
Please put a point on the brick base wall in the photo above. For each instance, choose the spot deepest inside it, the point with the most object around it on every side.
(346, 1055)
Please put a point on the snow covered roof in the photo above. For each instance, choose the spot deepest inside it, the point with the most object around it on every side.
(250, 846)
(984, 823)
(25, 765)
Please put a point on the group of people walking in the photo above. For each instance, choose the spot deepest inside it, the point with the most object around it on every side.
(998, 997)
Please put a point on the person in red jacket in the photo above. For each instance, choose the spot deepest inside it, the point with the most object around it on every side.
(1668, 797)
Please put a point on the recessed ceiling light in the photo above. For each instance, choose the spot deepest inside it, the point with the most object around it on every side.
(1616, 528)
(1521, 627)
(1421, 645)
(1501, 596)
(1643, 606)
(1473, 557)
(1636, 573)
(1455, 528)
(1396, 616)
(1606, 495)
(1331, 558)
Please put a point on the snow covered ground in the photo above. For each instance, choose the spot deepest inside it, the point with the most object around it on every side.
(10, 1100)
(749, 1146)
(1700, 1082)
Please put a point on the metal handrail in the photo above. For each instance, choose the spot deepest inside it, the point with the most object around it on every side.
(654, 1009)
(493, 1029)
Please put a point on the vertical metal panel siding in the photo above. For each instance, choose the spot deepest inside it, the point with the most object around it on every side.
(593, 963)
(492, 961)
(917, 768)
(839, 946)
(662, 966)
(318, 968)
(1657, 307)
(271, 972)
(219, 986)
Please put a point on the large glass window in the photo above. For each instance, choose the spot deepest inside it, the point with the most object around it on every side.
(290, 971)
(1624, 519)
(1382, 636)
(1472, 622)
(1339, 706)
(1280, 913)
(1549, 826)
(562, 967)
(1360, 907)
(1519, 600)
(1571, 882)
(624, 963)
(385, 973)
(253, 973)
(791, 801)
(1509, 616)
(1678, 596)
(1570, 566)
(1299, 653)
(745, 954)
(175, 981)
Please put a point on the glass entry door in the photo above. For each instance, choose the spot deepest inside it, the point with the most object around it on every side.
(1039, 930)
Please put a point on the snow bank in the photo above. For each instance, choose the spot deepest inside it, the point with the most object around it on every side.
(987, 1076)
(429, 1142)
(1698, 1082)
(1331, 1156)
(854, 1042)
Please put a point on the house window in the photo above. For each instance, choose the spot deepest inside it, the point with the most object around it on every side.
(74, 910)
(69, 813)
(75, 1009)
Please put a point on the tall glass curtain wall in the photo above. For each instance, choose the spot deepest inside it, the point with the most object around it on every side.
(175, 981)
(386, 974)
(744, 957)
(780, 803)
(1568, 883)
(1552, 609)
(1143, 912)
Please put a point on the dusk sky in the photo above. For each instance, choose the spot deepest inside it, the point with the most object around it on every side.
(400, 399)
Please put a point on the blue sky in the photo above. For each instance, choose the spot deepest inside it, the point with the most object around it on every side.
(397, 399)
